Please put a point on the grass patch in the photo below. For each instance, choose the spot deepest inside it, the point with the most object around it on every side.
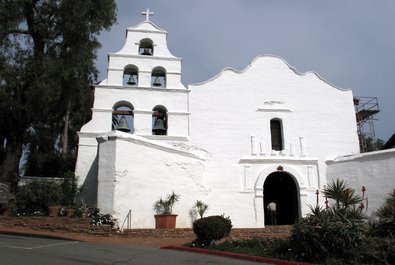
(270, 248)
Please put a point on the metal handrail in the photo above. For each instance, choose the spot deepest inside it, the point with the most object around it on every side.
(128, 220)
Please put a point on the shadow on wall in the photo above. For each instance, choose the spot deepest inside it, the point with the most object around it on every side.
(89, 193)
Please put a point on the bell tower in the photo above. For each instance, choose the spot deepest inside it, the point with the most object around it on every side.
(142, 100)
(143, 93)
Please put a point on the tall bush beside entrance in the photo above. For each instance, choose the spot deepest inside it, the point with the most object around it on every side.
(336, 232)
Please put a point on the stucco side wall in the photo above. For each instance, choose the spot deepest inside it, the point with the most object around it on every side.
(146, 170)
(374, 170)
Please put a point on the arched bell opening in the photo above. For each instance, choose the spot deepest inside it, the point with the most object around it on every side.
(281, 188)
(159, 120)
(158, 77)
(123, 117)
(146, 47)
(130, 76)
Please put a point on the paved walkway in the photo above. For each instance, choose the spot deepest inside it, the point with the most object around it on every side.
(16, 250)
(168, 243)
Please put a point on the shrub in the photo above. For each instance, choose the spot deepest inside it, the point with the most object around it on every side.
(380, 251)
(69, 188)
(265, 247)
(98, 218)
(385, 226)
(36, 196)
(329, 233)
(382, 241)
(339, 232)
(210, 229)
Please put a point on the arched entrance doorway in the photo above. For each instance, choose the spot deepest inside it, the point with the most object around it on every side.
(281, 188)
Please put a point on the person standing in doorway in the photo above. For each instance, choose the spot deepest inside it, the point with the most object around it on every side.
(272, 210)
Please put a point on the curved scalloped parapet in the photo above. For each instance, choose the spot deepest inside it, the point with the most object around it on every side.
(265, 57)
(147, 26)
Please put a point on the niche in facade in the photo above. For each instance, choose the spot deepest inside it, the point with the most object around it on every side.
(158, 77)
(130, 76)
(123, 117)
(159, 120)
(146, 47)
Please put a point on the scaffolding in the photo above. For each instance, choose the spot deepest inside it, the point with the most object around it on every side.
(365, 109)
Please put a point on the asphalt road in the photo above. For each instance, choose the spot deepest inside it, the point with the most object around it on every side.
(17, 250)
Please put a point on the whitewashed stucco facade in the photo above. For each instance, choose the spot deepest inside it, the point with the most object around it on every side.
(218, 143)
(374, 170)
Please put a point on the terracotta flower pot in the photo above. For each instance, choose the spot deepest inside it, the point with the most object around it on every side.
(53, 211)
(7, 212)
(70, 212)
(165, 221)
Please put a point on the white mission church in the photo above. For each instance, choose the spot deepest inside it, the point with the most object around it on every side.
(237, 141)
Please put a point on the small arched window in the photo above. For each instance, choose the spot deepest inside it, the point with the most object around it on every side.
(123, 117)
(159, 120)
(146, 47)
(130, 76)
(158, 77)
(277, 134)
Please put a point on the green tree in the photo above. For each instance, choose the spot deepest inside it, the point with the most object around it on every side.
(369, 144)
(47, 53)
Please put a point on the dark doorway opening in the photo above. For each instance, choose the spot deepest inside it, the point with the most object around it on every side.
(280, 187)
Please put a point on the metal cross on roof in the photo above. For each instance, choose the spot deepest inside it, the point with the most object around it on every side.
(147, 14)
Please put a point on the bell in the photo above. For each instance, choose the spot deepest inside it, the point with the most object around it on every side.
(131, 81)
(146, 51)
(156, 81)
(159, 127)
(123, 125)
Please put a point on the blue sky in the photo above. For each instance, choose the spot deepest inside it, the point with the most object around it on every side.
(351, 44)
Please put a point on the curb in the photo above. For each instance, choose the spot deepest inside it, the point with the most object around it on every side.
(27, 234)
(235, 255)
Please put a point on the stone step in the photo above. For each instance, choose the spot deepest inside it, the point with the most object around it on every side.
(84, 226)
(281, 231)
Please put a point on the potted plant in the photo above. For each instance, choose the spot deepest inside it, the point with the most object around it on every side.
(70, 211)
(164, 219)
(54, 209)
(54, 201)
(8, 208)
